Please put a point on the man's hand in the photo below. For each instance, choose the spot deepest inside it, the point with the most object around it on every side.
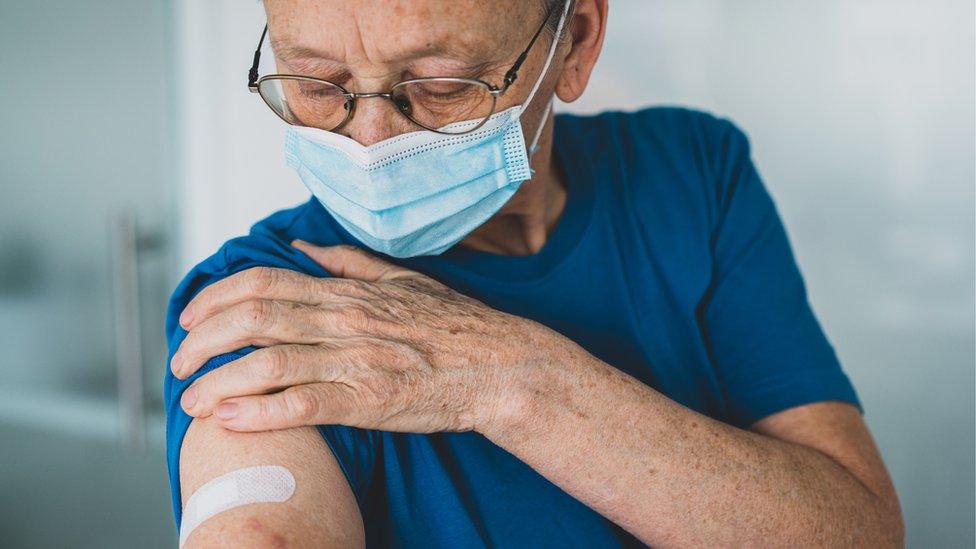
(376, 346)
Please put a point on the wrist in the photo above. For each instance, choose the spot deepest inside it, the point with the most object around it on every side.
(516, 394)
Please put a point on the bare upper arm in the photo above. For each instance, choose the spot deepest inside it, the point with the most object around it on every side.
(322, 512)
(837, 430)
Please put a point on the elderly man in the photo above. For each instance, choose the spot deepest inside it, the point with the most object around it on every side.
(492, 326)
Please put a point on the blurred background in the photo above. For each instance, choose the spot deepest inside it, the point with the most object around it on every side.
(130, 149)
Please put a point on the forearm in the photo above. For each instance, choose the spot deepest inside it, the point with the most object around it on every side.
(672, 476)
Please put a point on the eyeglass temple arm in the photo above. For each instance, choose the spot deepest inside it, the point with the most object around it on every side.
(512, 73)
(252, 75)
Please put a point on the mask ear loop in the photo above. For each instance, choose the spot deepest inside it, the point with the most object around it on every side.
(551, 54)
(545, 69)
(538, 132)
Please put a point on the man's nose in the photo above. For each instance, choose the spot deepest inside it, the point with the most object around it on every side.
(374, 119)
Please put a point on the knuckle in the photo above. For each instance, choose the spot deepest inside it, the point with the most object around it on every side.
(256, 315)
(261, 279)
(265, 410)
(276, 364)
(303, 405)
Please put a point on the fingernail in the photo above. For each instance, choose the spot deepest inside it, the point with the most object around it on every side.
(175, 363)
(189, 398)
(298, 242)
(186, 317)
(227, 410)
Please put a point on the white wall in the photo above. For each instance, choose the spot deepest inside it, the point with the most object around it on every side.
(232, 165)
(861, 115)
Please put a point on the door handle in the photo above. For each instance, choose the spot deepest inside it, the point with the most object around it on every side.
(128, 333)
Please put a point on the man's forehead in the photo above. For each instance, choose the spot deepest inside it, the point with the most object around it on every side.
(390, 31)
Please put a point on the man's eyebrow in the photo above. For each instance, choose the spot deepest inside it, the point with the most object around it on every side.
(294, 51)
(466, 69)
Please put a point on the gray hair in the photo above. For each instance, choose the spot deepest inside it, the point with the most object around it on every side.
(554, 8)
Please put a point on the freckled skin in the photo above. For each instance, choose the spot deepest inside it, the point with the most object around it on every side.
(423, 358)
(321, 513)
(254, 523)
(395, 350)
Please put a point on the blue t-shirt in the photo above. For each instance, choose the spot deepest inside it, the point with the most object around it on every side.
(669, 262)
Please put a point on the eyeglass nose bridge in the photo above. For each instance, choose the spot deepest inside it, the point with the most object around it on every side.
(366, 95)
(351, 98)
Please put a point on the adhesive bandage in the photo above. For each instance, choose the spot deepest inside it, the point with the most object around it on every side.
(262, 484)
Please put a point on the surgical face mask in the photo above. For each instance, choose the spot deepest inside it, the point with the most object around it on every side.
(421, 192)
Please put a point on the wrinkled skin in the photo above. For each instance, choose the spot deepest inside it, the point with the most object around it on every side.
(377, 347)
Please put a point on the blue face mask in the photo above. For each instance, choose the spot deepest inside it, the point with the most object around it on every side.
(421, 192)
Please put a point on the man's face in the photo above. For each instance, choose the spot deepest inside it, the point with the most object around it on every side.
(369, 45)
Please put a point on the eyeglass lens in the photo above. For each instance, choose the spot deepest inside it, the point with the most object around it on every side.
(431, 102)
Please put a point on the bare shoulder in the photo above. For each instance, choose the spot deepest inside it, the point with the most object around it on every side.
(322, 511)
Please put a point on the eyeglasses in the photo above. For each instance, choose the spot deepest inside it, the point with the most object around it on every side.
(434, 103)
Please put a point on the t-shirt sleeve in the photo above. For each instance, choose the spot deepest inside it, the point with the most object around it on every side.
(767, 346)
(354, 449)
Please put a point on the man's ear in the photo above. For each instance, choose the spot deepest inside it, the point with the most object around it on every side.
(587, 28)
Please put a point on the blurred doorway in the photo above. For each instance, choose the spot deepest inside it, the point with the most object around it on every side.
(85, 268)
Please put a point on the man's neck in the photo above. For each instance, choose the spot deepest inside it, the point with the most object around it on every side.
(523, 225)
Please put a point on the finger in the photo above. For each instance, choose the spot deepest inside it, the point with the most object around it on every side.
(261, 283)
(346, 261)
(256, 322)
(313, 404)
(264, 371)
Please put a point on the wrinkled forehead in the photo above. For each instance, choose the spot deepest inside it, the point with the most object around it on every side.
(388, 33)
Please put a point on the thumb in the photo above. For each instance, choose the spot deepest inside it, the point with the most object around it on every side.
(346, 261)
